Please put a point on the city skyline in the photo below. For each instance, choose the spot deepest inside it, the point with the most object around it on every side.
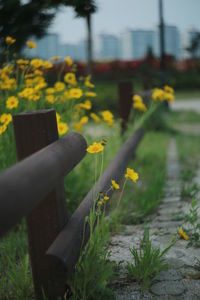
(131, 44)
(115, 16)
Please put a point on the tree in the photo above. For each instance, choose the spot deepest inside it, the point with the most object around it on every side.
(194, 46)
(23, 20)
(85, 9)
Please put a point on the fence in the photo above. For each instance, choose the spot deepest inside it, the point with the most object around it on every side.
(34, 188)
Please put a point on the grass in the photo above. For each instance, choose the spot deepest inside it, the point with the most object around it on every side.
(183, 117)
(148, 261)
(144, 198)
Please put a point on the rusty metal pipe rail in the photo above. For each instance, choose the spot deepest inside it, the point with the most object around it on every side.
(24, 186)
(65, 249)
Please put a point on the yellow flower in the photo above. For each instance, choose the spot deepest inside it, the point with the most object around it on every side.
(169, 97)
(100, 203)
(59, 86)
(107, 117)
(10, 40)
(106, 198)
(38, 72)
(95, 148)
(62, 128)
(88, 83)
(168, 89)
(140, 106)
(70, 78)
(36, 63)
(22, 61)
(68, 61)
(50, 91)
(31, 44)
(83, 120)
(75, 93)
(86, 105)
(55, 58)
(3, 129)
(12, 102)
(137, 98)
(95, 117)
(115, 185)
(90, 94)
(6, 119)
(183, 234)
(50, 98)
(131, 174)
(58, 117)
(158, 95)
(78, 126)
(47, 64)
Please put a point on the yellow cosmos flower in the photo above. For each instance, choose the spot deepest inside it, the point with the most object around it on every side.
(59, 86)
(62, 128)
(88, 83)
(90, 94)
(50, 98)
(31, 44)
(22, 61)
(70, 78)
(10, 40)
(83, 120)
(6, 119)
(86, 105)
(47, 64)
(100, 203)
(108, 117)
(75, 93)
(169, 97)
(106, 198)
(36, 63)
(38, 72)
(55, 58)
(77, 126)
(58, 117)
(95, 117)
(12, 102)
(168, 89)
(95, 148)
(137, 98)
(140, 106)
(183, 234)
(158, 95)
(131, 174)
(115, 185)
(50, 91)
(3, 129)
(68, 61)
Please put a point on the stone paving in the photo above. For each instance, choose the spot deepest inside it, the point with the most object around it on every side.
(173, 283)
(190, 104)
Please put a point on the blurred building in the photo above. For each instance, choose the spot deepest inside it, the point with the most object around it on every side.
(135, 44)
(172, 42)
(107, 47)
(47, 46)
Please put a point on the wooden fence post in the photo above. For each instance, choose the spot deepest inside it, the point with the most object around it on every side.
(34, 131)
(125, 91)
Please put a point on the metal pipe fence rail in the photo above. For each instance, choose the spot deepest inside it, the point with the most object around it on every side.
(34, 188)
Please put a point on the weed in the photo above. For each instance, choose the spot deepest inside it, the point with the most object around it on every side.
(193, 226)
(148, 261)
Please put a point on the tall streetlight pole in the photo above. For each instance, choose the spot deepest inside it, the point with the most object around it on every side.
(162, 42)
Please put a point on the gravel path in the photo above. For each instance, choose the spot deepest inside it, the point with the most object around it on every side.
(173, 283)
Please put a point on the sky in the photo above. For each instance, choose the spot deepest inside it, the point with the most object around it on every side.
(115, 16)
